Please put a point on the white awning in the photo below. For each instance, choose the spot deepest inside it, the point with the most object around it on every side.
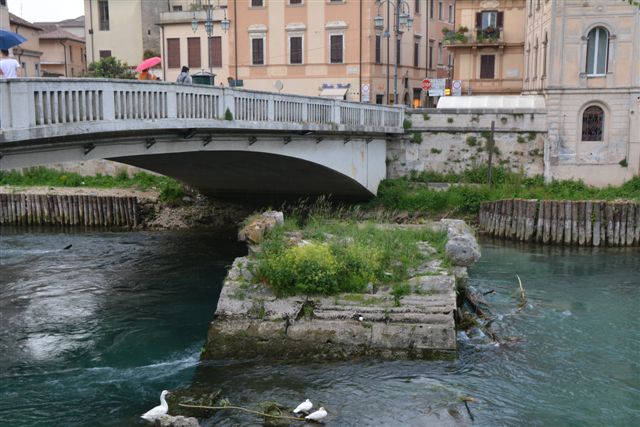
(335, 93)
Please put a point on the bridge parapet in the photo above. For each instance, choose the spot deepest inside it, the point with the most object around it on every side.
(48, 108)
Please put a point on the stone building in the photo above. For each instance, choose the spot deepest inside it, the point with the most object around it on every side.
(489, 46)
(584, 57)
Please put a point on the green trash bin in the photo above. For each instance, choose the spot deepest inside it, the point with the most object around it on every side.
(204, 78)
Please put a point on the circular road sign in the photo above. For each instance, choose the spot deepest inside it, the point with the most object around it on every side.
(426, 84)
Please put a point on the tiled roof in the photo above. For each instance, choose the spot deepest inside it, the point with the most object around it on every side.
(14, 19)
(59, 33)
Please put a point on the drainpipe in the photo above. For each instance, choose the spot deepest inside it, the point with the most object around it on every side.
(64, 52)
(360, 65)
(164, 63)
(93, 51)
(235, 37)
(388, 55)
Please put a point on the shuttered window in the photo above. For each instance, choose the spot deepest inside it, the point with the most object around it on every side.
(193, 51)
(216, 52)
(336, 49)
(487, 66)
(378, 49)
(173, 53)
(295, 50)
(257, 51)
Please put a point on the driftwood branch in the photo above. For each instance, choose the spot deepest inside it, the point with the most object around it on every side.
(240, 408)
(523, 294)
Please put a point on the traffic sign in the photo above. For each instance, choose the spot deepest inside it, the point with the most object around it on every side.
(426, 84)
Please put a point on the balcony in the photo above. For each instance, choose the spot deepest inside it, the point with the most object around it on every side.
(462, 37)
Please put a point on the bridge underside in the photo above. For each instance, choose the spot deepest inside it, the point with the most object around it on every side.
(247, 175)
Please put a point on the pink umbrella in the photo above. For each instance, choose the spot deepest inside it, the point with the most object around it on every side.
(148, 63)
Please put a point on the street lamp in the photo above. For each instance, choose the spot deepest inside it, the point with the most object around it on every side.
(208, 26)
(402, 19)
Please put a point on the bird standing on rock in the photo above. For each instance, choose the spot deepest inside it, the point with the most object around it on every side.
(303, 407)
(155, 413)
(317, 416)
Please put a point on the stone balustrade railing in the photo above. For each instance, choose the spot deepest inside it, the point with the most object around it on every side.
(41, 105)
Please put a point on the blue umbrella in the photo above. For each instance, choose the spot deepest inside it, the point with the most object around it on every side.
(10, 39)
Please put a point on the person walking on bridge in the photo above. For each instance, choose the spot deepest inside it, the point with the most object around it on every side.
(184, 76)
(8, 66)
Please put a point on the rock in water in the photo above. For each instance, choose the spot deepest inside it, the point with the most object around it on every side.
(179, 421)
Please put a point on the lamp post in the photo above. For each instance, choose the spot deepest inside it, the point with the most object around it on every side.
(208, 26)
(401, 19)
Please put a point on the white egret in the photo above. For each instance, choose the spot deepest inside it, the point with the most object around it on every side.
(303, 407)
(158, 411)
(316, 416)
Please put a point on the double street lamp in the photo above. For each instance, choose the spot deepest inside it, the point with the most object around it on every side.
(208, 26)
(401, 19)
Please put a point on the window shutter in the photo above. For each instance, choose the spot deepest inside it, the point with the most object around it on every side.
(173, 53)
(500, 19)
(258, 54)
(216, 52)
(478, 19)
(487, 66)
(193, 52)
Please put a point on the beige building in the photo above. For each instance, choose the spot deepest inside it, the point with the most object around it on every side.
(489, 46)
(4, 15)
(184, 44)
(28, 53)
(63, 53)
(584, 57)
(332, 48)
(124, 29)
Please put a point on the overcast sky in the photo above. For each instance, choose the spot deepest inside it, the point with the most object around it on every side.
(46, 10)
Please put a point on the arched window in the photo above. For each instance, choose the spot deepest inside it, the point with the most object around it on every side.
(597, 51)
(592, 124)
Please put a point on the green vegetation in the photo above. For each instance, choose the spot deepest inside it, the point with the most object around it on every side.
(472, 141)
(170, 189)
(111, 68)
(406, 124)
(435, 151)
(228, 115)
(338, 257)
(449, 119)
(521, 140)
(426, 116)
(416, 138)
(404, 194)
(623, 163)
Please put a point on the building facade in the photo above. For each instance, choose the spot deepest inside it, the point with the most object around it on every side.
(126, 30)
(584, 57)
(186, 44)
(489, 46)
(28, 53)
(63, 53)
(332, 48)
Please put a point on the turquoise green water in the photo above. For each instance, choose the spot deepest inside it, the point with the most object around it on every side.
(91, 335)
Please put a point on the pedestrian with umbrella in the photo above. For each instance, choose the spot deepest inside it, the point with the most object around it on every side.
(8, 66)
(144, 67)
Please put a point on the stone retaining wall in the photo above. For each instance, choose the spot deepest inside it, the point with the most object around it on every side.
(583, 223)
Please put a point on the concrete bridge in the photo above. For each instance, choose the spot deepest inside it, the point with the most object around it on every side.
(218, 140)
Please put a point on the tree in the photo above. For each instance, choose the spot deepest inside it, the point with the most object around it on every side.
(111, 68)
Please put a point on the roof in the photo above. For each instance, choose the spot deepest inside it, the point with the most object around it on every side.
(493, 102)
(67, 23)
(60, 34)
(14, 19)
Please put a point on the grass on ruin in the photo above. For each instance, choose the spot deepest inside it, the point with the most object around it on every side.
(340, 256)
(169, 188)
(412, 194)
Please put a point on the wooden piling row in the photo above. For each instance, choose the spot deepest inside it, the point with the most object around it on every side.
(78, 210)
(578, 223)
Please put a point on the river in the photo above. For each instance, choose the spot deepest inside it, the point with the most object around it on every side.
(90, 335)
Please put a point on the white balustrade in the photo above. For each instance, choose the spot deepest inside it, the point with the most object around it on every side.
(32, 103)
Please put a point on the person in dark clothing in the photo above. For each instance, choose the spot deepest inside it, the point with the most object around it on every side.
(184, 76)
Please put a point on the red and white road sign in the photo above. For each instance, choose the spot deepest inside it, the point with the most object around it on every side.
(426, 84)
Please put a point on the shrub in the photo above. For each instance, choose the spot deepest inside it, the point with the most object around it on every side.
(416, 138)
(228, 115)
(111, 68)
(406, 124)
(472, 141)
